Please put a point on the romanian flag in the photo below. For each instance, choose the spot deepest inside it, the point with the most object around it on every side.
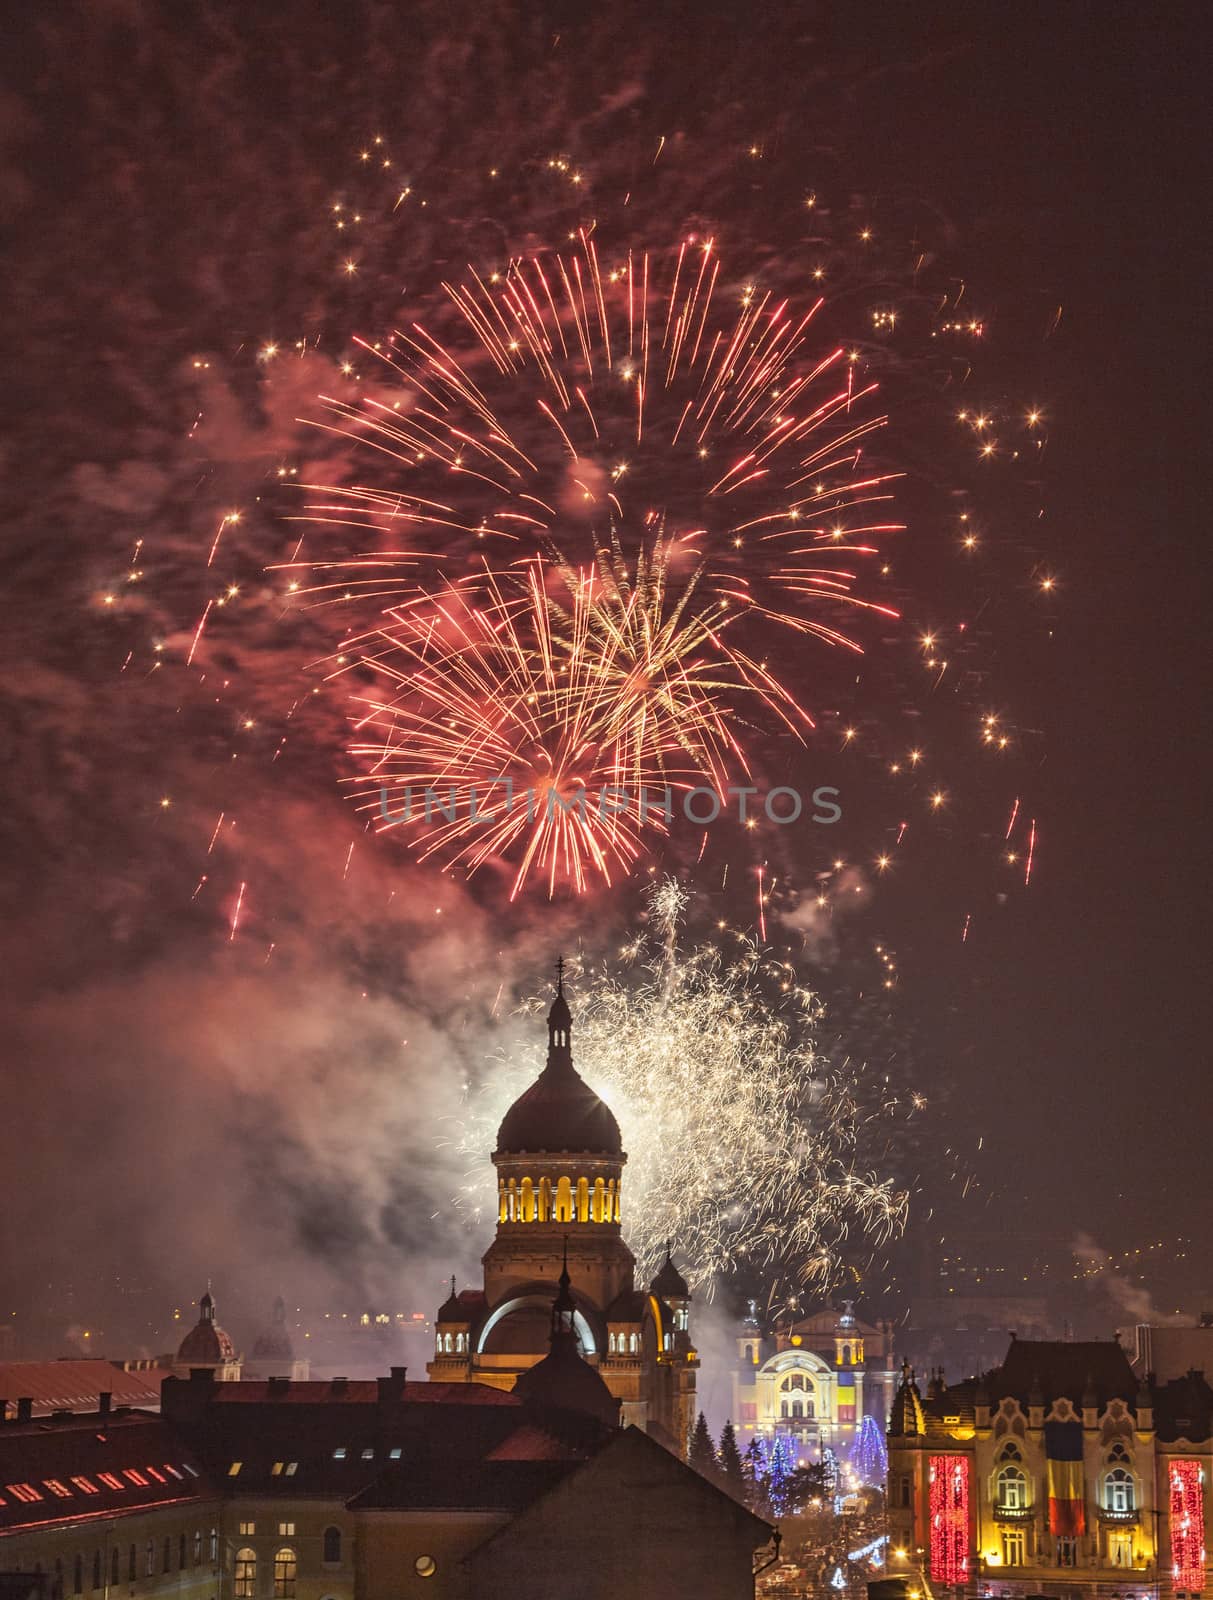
(1063, 1459)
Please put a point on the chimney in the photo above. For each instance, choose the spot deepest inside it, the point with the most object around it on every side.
(339, 1385)
(25, 1408)
(392, 1387)
(104, 1401)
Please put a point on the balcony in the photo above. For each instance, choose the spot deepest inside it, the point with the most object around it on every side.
(1013, 1513)
(1120, 1519)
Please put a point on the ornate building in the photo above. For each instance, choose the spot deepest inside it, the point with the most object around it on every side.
(814, 1379)
(1059, 1472)
(273, 1352)
(559, 1162)
(207, 1345)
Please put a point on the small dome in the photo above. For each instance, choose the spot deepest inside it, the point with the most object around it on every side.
(451, 1310)
(669, 1284)
(559, 1111)
(206, 1344)
(274, 1343)
(562, 1381)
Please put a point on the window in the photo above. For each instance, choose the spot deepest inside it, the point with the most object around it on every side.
(57, 1488)
(114, 1567)
(197, 1547)
(286, 1530)
(134, 1477)
(903, 1490)
(245, 1586)
(110, 1481)
(149, 1558)
(24, 1492)
(85, 1486)
(158, 1476)
(1014, 1548)
(276, 1469)
(1117, 1453)
(1119, 1491)
(425, 1566)
(181, 1552)
(1012, 1490)
(332, 1544)
(234, 1470)
(286, 1569)
(339, 1453)
(96, 1569)
(1120, 1549)
(368, 1454)
(1067, 1550)
(292, 1467)
(214, 1542)
(172, 1472)
(132, 1568)
(248, 1530)
(1010, 1452)
(167, 1562)
(394, 1453)
(78, 1575)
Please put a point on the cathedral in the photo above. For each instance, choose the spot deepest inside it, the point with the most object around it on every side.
(559, 1162)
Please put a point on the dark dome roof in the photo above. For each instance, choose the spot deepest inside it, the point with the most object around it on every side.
(564, 1382)
(669, 1284)
(274, 1343)
(559, 1111)
(206, 1343)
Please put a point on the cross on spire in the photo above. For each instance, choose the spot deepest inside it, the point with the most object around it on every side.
(560, 975)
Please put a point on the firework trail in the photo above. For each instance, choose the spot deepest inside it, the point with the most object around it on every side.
(744, 1146)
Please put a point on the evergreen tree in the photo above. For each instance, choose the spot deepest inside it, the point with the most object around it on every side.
(779, 1471)
(702, 1455)
(729, 1461)
(753, 1471)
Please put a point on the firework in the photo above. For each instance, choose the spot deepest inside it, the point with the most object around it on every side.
(744, 1145)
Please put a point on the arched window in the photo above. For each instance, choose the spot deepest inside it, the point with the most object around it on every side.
(58, 1588)
(181, 1552)
(809, 1410)
(1117, 1453)
(1010, 1452)
(501, 1217)
(798, 1408)
(1119, 1491)
(332, 1544)
(545, 1199)
(563, 1209)
(783, 1408)
(583, 1200)
(245, 1586)
(149, 1558)
(286, 1570)
(598, 1206)
(96, 1569)
(1012, 1490)
(214, 1547)
(114, 1567)
(634, 1343)
(197, 1547)
(78, 1575)
(528, 1200)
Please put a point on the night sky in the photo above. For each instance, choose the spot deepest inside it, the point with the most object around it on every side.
(181, 1103)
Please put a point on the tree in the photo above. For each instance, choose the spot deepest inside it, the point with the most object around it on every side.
(729, 1460)
(779, 1471)
(805, 1484)
(753, 1471)
(702, 1455)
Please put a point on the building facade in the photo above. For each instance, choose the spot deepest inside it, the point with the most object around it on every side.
(560, 1162)
(1058, 1473)
(813, 1380)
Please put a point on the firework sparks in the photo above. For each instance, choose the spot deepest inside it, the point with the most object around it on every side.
(744, 1145)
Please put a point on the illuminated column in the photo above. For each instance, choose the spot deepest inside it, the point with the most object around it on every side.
(949, 1514)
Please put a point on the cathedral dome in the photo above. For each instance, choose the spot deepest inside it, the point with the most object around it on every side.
(559, 1111)
(669, 1284)
(274, 1342)
(206, 1344)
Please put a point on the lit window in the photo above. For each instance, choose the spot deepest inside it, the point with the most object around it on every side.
(368, 1454)
(276, 1469)
(286, 1530)
(85, 1487)
(339, 1453)
(61, 1490)
(193, 1471)
(234, 1470)
(394, 1453)
(96, 1569)
(1119, 1492)
(332, 1544)
(425, 1566)
(1014, 1548)
(214, 1544)
(1012, 1490)
(152, 1473)
(24, 1491)
(149, 1558)
(197, 1547)
(245, 1586)
(1067, 1550)
(286, 1570)
(248, 1530)
(292, 1467)
(132, 1476)
(110, 1481)
(172, 1471)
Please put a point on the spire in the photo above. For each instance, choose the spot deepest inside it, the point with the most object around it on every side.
(279, 1311)
(206, 1306)
(560, 1025)
(564, 1307)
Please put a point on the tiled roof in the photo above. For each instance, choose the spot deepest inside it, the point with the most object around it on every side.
(1060, 1368)
(86, 1467)
(75, 1385)
(488, 1485)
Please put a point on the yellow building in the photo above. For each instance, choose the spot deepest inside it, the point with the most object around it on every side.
(560, 1161)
